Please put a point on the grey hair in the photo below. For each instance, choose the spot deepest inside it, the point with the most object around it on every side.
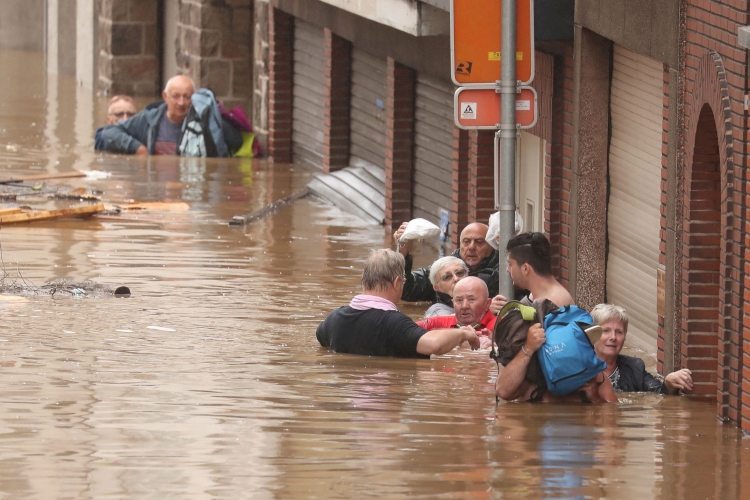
(601, 313)
(166, 87)
(382, 267)
(439, 264)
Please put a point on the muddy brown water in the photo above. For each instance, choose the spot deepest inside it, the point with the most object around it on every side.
(208, 382)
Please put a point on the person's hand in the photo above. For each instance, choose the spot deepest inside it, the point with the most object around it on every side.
(141, 151)
(498, 302)
(485, 342)
(468, 334)
(403, 246)
(680, 380)
(534, 338)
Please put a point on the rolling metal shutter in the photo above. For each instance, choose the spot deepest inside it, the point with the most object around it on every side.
(309, 94)
(433, 148)
(367, 126)
(633, 221)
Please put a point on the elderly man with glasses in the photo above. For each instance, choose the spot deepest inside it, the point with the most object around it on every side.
(120, 108)
(371, 325)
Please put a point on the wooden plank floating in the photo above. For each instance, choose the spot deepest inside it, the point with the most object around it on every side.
(43, 177)
(79, 211)
(241, 220)
(157, 205)
(10, 211)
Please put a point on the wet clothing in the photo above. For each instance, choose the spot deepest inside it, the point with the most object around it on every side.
(418, 287)
(144, 129)
(167, 136)
(635, 378)
(140, 130)
(371, 332)
(438, 309)
(434, 323)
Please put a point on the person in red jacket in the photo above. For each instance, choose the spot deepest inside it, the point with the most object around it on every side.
(472, 305)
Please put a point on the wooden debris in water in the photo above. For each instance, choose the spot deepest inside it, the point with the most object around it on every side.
(79, 211)
(78, 194)
(157, 205)
(41, 177)
(241, 220)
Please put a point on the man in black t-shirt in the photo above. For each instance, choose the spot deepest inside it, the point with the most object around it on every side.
(371, 324)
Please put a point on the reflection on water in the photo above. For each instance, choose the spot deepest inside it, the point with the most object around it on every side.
(208, 381)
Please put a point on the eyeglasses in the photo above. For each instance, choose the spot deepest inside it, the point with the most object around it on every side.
(121, 114)
(458, 273)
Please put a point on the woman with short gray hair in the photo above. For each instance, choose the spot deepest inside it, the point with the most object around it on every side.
(627, 373)
(444, 274)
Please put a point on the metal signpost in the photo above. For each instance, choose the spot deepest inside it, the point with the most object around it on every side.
(478, 29)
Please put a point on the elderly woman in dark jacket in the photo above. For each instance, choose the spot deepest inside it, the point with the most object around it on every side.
(628, 374)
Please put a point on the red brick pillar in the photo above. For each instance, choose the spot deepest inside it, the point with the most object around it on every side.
(460, 202)
(399, 142)
(481, 175)
(280, 76)
(338, 57)
(560, 174)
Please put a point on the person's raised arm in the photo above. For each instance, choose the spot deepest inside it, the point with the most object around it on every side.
(510, 382)
(404, 247)
(446, 339)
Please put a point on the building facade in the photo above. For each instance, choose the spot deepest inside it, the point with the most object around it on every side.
(636, 169)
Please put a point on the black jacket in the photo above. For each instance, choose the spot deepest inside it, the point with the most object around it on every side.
(635, 378)
(419, 289)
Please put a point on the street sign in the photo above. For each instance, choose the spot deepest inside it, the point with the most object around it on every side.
(475, 41)
(479, 107)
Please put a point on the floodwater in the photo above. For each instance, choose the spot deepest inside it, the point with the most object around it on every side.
(208, 382)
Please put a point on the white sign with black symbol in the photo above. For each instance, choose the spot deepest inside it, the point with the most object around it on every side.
(522, 105)
(469, 111)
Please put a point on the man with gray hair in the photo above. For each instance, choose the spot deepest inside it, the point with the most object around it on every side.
(371, 324)
(156, 130)
(444, 274)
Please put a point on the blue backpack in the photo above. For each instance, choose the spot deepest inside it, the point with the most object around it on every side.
(567, 357)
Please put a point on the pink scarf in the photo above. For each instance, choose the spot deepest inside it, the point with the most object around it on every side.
(364, 302)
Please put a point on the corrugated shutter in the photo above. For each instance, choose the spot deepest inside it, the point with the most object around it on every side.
(309, 94)
(633, 221)
(433, 149)
(367, 126)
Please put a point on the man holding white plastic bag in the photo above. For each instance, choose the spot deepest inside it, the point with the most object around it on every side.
(481, 259)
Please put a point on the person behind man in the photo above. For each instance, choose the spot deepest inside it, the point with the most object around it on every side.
(530, 267)
(628, 374)
(444, 274)
(481, 259)
(371, 324)
(154, 131)
(472, 308)
(120, 108)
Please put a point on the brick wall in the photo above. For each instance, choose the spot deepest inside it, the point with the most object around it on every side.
(715, 76)
(481, 175)
(460, 184)
(559, 173)
(399, 142)
(128, 47)
(280, 84)
(215, 42)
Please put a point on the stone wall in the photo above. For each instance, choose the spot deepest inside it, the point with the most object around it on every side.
(215, 46)
(128, 47)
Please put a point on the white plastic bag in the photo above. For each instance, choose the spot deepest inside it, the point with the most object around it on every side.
(493, 233)
(420, 229)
